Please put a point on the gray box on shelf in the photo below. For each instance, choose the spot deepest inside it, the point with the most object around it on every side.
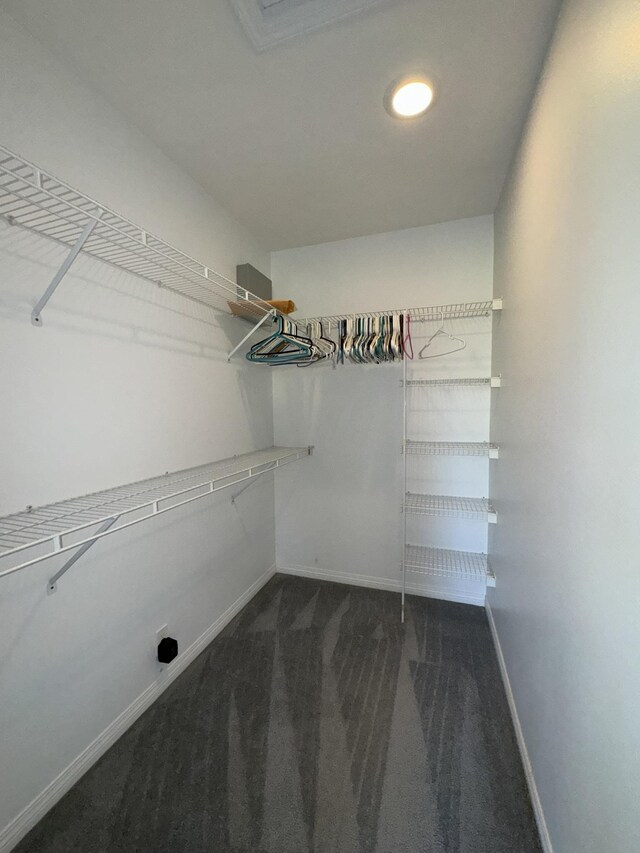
(249, 278)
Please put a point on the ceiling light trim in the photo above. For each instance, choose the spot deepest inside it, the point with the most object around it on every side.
(400, 83)
(277, 22)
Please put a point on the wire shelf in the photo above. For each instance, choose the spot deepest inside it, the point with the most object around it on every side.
(493, 381)
(47, 528)
(451, 448)
(420, 315)
(450, 506)
(36, 200)
(454, 311)
(441, 562)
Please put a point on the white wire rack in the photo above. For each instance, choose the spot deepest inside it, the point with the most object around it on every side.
(419, 315)
(451, 448)
(441, 562)
(36, 200)
(37, 534)
(493, 381)
(450, 506)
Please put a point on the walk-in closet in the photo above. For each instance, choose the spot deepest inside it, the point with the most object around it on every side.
(319, 479)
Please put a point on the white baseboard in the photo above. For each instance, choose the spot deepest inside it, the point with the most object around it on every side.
(55, 790)
(383, 583)
(545, 839)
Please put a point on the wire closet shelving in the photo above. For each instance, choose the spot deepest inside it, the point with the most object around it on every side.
(450, 506)
(452, 311)
(442, 562)
(451, 448)
(431, 561)
(492, 381)
(34, 199)
(39, 533)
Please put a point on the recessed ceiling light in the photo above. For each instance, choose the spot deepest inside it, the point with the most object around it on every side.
(408, 98)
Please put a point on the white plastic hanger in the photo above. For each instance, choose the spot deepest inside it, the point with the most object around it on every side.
(440, 332)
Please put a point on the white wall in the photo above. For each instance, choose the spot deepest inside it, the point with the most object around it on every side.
(340, 517)
(567, 417)
(122, 382)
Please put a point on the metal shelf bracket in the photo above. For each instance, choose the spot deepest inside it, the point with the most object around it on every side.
(271, 314)
(272, 467)
(36, 317)
(52, 584)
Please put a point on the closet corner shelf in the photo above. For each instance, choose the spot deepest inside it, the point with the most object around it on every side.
(441, 562)
(450, 506)
(451, 448)
(492, 381)
(33, 199)
(37, 534)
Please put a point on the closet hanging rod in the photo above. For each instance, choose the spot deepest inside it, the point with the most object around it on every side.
(34, 199)
(418, 315)
(47, 529)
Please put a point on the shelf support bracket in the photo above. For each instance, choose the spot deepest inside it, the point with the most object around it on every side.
(271, 314)
(52, 584)
(36, 318)
(266, 471)
(251, 482)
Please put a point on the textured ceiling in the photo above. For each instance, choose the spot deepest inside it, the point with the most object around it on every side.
(295, 141)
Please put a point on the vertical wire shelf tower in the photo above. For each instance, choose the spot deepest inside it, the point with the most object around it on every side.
(425, 560)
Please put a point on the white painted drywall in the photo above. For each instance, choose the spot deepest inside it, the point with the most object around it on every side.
(567, 418)
(123, 381)
(341, 517)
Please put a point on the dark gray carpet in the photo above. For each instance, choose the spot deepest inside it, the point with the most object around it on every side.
(316, 723)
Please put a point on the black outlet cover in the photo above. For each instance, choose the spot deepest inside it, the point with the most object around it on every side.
(167, 649)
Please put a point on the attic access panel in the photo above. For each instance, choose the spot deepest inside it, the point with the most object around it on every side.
(268, 22)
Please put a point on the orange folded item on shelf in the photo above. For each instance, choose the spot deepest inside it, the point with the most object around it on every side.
(284, 306)
(251, 310)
